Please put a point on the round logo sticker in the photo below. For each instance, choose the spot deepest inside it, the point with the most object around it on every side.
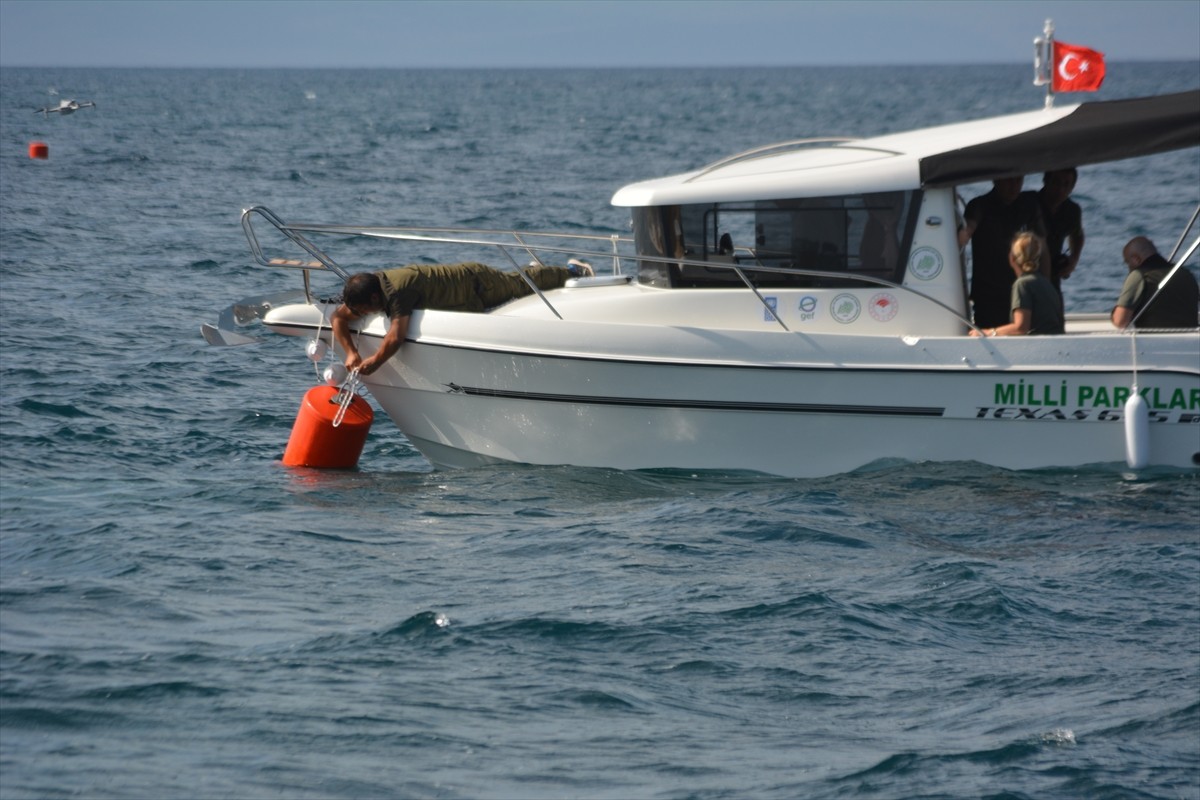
(925, 263)
(883, 306)
(808, 304)
(845, 308)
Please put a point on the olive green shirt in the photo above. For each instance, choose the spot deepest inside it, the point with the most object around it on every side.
(1175, 306)
(1034, 293)
(459, 287)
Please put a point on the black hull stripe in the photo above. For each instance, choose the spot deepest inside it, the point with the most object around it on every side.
(706, 405)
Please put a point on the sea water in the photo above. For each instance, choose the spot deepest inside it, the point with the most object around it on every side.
(181, 616)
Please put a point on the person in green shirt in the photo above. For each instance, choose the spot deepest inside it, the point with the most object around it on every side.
(1173, 307)
(469, 287)
(1036, 306)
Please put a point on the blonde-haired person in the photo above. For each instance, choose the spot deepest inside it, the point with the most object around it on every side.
(1036, 307)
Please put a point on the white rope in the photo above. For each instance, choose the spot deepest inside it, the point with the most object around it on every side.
(317, 362)
(1133, 343)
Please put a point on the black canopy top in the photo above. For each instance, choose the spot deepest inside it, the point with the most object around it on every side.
(1091, 134)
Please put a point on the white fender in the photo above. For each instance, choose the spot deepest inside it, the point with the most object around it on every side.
(1137, 431)
(316, 350)
(335, 374)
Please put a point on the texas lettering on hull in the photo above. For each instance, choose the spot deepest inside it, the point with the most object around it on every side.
(1080, 402)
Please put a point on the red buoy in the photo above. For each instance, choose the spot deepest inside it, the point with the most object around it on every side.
(316, 440)
(39, 150)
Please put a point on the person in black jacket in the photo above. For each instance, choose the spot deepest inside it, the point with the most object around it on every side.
(1064, 223)
(1175, 307)
(989, 224)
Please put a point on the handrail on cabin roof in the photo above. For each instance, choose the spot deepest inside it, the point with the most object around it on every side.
(770, 149)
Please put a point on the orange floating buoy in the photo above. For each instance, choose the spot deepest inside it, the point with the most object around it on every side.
(39, 150)
(316, 440)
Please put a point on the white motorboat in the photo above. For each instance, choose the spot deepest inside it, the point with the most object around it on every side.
(759, 318)
(65, 107)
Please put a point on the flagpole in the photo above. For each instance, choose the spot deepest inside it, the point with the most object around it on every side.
(1043, 61)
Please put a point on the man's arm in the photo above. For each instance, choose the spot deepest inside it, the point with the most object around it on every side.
(1076, 240)
(341, 332)
(387, 348)
(1129, 300)
(966, 232)
(1121, 317)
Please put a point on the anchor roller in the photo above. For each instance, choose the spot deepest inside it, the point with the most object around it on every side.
(330, 429)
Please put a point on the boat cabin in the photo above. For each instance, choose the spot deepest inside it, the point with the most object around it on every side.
(837, 240)
(836, 218)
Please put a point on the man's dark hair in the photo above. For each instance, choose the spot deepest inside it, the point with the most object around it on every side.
(1074, 173)
(361, 289)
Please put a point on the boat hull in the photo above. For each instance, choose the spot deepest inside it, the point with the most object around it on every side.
(816, 406)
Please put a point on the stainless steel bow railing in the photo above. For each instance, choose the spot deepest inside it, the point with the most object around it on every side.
(533, 246)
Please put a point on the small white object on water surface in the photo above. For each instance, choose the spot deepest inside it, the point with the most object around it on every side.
(1059, 736)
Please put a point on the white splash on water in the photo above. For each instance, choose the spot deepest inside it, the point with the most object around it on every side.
(1059, 736)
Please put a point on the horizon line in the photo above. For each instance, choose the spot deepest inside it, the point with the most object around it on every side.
(532, 67)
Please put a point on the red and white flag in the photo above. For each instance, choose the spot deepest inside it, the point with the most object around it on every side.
(1076, 69)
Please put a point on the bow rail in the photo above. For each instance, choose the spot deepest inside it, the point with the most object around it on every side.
(534, 246)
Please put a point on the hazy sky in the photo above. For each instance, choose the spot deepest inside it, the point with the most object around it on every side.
(554, 33)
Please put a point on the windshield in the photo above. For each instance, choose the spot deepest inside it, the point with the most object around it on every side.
(861, 234)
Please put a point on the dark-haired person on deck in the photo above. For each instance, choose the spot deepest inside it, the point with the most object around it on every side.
(398, 292)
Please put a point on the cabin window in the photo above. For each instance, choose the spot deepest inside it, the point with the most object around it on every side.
(658, 233)
(850, 235)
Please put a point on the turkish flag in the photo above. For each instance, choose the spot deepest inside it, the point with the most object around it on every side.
(1076, 69)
